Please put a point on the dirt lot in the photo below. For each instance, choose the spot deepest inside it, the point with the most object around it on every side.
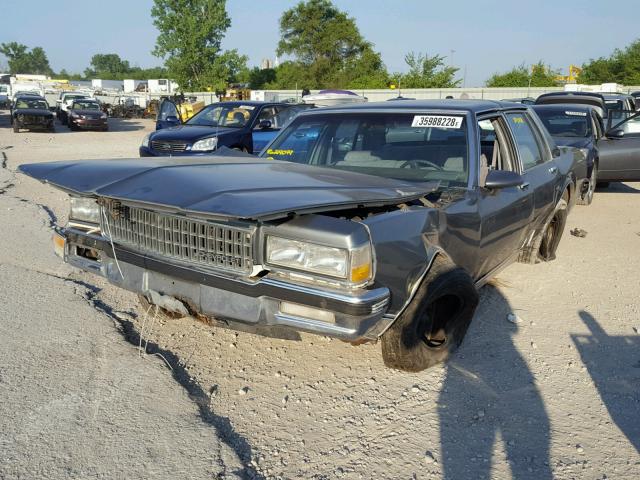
(556, 395)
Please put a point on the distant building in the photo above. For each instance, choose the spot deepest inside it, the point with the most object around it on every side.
(266, 63)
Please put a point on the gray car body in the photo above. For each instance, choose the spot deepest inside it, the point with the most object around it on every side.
(409, 224)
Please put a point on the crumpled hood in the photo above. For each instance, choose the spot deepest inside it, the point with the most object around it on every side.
(33, 111)
(229, 185)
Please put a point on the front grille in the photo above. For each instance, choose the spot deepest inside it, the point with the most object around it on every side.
(34, 119)
(162, 146)
(185, 239)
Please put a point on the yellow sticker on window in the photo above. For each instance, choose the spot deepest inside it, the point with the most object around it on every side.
(518, 120)
(279, 152)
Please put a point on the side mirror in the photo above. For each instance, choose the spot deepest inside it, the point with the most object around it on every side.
(615, 133)
(264, 124)
(556, 152)
(497, 179)
(172, 119)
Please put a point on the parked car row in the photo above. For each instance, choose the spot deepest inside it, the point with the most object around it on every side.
(31, 111)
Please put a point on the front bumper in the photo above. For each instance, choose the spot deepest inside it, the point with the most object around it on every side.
(88, 124)
(244, 304)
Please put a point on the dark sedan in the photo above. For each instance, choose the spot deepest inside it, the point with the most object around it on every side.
(31, 112)
(245, 126)
(619, 146)
(577, 126)
(86, 114)
(376, 221)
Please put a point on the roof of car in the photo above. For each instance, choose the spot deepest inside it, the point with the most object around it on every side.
(254, 103)
(563, 106)
(470, 105)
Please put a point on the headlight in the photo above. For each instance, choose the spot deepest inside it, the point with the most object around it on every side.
(145, 140)
(85, 210)
(205, 145)
(353, 266)
(103, 115)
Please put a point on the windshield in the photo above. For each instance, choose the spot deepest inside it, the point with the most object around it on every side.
(221, 115)
(565, 123)
(85, 105)
(70, 98)
(402, 146)
(32, 103)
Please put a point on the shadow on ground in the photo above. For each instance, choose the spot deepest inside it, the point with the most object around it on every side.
(614, 365)
(489, 395)
(618, 187)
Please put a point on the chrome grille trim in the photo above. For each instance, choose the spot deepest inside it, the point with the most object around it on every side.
(194, 241)
(168, 146)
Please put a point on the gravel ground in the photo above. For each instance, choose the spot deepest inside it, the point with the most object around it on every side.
(555, 394)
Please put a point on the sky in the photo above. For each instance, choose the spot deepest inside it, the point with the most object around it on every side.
(478, 37)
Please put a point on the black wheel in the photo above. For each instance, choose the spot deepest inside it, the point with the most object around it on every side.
(16, 129)
(552, 233)
(586, 197)
(433, 325)
(150, 309)
(602, 184)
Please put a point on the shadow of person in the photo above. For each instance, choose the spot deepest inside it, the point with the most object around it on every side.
(614, 365)
(489, 395)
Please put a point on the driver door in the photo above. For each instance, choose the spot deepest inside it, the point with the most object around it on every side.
(263, 134)
(168, 115)
(620, 155)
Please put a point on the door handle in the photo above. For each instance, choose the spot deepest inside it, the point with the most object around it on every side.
(524, 186)
(553, 169)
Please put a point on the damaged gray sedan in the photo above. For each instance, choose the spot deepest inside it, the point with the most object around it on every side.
(376, 221)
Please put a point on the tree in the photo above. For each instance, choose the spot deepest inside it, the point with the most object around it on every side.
(540, 75)
(23, 61)
(191, 32)
(107, 65)
(428, 72)
(622, 66)
(327, 47)
(259, 78)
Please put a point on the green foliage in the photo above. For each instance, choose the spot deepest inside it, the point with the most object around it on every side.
(191, 32)
(540, 75)
(623, 66)
(427, 72)
(259, 78)
(327, 49)
(23, 61)
(107, 65)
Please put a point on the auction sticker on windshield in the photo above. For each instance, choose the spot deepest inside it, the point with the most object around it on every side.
(439, 121)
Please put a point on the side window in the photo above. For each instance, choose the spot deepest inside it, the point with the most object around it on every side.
(494, 148)
(597, 126)
(167, 109)
(525, 138)
(267, 113)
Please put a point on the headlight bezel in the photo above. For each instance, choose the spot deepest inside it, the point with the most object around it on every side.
(84, 210)
(208, 144)
(146, 140)
(359, 263)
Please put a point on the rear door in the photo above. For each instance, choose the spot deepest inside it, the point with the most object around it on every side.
(168, 115)
(504, 213)
(539, 171)
(261, 136)
(620, 157)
